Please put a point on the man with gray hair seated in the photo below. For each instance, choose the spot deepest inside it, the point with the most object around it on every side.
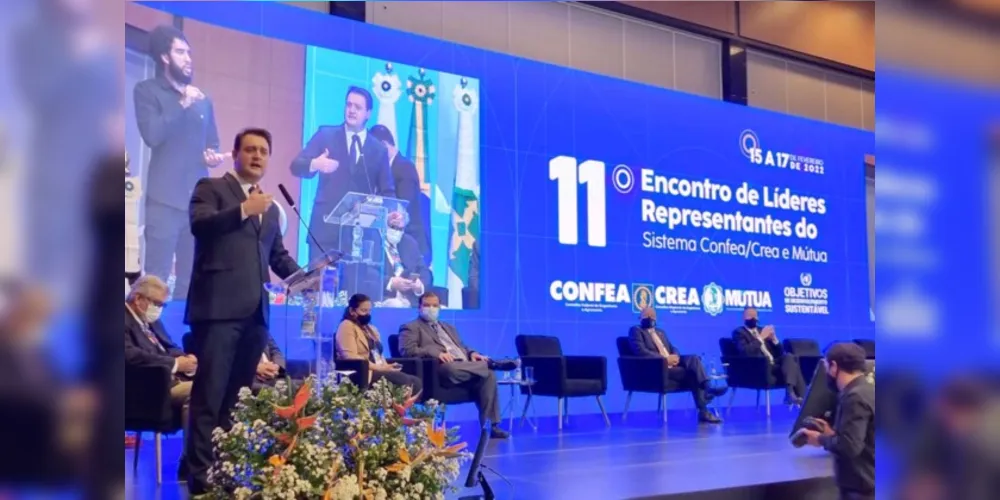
(148, 344)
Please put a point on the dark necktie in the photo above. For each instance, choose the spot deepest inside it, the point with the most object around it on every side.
(152, 337)
(355, 148)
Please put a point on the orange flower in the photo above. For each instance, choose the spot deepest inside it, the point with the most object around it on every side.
(403, 408)
(298, 404)
(404, 461)
(306, 422)
(276, 460)
(439, 438)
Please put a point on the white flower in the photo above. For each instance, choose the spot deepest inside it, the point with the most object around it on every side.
(242, 493)
(245, 393)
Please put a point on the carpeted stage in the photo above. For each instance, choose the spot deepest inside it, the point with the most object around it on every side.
(747, 458)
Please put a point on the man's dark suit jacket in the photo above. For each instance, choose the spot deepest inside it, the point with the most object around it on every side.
(404, 174)
(140, 351)
(413, 263)
(232, 255)
(643, 345)
(748, 344)
(177, 138)
(371, 175)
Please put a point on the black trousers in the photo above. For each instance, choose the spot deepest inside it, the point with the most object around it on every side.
(400, 378)
(228, 354)
(168, 234)
(691, 373)
(787, 368)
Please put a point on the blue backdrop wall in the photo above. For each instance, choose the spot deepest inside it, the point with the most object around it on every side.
(600, 195)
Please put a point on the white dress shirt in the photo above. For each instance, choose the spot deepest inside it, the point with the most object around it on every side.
(362, 135)
(245, 186)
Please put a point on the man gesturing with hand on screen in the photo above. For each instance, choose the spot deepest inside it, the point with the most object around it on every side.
(346, 159)
(237, 238)
(177, 121)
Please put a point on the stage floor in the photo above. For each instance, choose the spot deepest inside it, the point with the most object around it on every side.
(640, 458)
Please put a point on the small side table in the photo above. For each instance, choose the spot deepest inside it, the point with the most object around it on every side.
(510, 409)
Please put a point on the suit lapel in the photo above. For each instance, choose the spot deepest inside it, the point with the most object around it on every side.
(237, 189)
(433, 333)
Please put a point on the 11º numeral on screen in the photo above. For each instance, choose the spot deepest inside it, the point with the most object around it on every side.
(569, 175)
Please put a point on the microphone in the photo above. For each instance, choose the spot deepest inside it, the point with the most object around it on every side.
(291, 203)
(364, 165)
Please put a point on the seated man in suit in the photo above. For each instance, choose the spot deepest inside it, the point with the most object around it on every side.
(405, 273)
(271, 367)
(427, 337)
(147, 343)
(649, 341)
(752, 340)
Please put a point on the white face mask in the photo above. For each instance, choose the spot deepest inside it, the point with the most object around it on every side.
(394, 236)
(153, 313)
(430, 313)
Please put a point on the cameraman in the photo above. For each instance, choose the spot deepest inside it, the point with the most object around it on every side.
(852, 439)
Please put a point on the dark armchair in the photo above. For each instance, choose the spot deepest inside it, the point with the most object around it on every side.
(361, 367)
(427, 370)
(645, 375)
(748, 372)
(560, 376)
(148, 409)
(807, 350)
(869, 347)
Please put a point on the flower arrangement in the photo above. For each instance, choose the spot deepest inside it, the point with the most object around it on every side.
(332, 441)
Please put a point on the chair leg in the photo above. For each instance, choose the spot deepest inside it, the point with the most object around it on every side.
(628, 401)
(767, 401)
(732, 399)
(566, 409)
(607, 421)
(758, 400)
(135, 457)
(524, 414)
(663, 403)
(159, 459)
(559, 412)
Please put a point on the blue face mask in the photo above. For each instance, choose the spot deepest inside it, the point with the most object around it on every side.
(430, 313)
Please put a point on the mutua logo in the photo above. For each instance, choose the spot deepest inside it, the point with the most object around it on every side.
(715, 299)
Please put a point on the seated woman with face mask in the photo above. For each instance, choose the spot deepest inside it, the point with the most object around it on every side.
(357, 339)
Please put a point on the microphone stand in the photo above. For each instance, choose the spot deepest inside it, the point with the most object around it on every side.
(487, 489)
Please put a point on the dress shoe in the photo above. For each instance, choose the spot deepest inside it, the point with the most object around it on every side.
(793, 400)
(707, 417)
(715, 392)
(497, 433)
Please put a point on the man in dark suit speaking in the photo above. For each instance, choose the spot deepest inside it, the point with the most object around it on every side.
(347, 159)
(237, 237)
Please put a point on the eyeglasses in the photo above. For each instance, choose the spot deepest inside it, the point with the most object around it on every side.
(157, 303)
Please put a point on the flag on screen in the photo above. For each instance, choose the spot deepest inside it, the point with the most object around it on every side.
(387, 89)
(465, 198)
